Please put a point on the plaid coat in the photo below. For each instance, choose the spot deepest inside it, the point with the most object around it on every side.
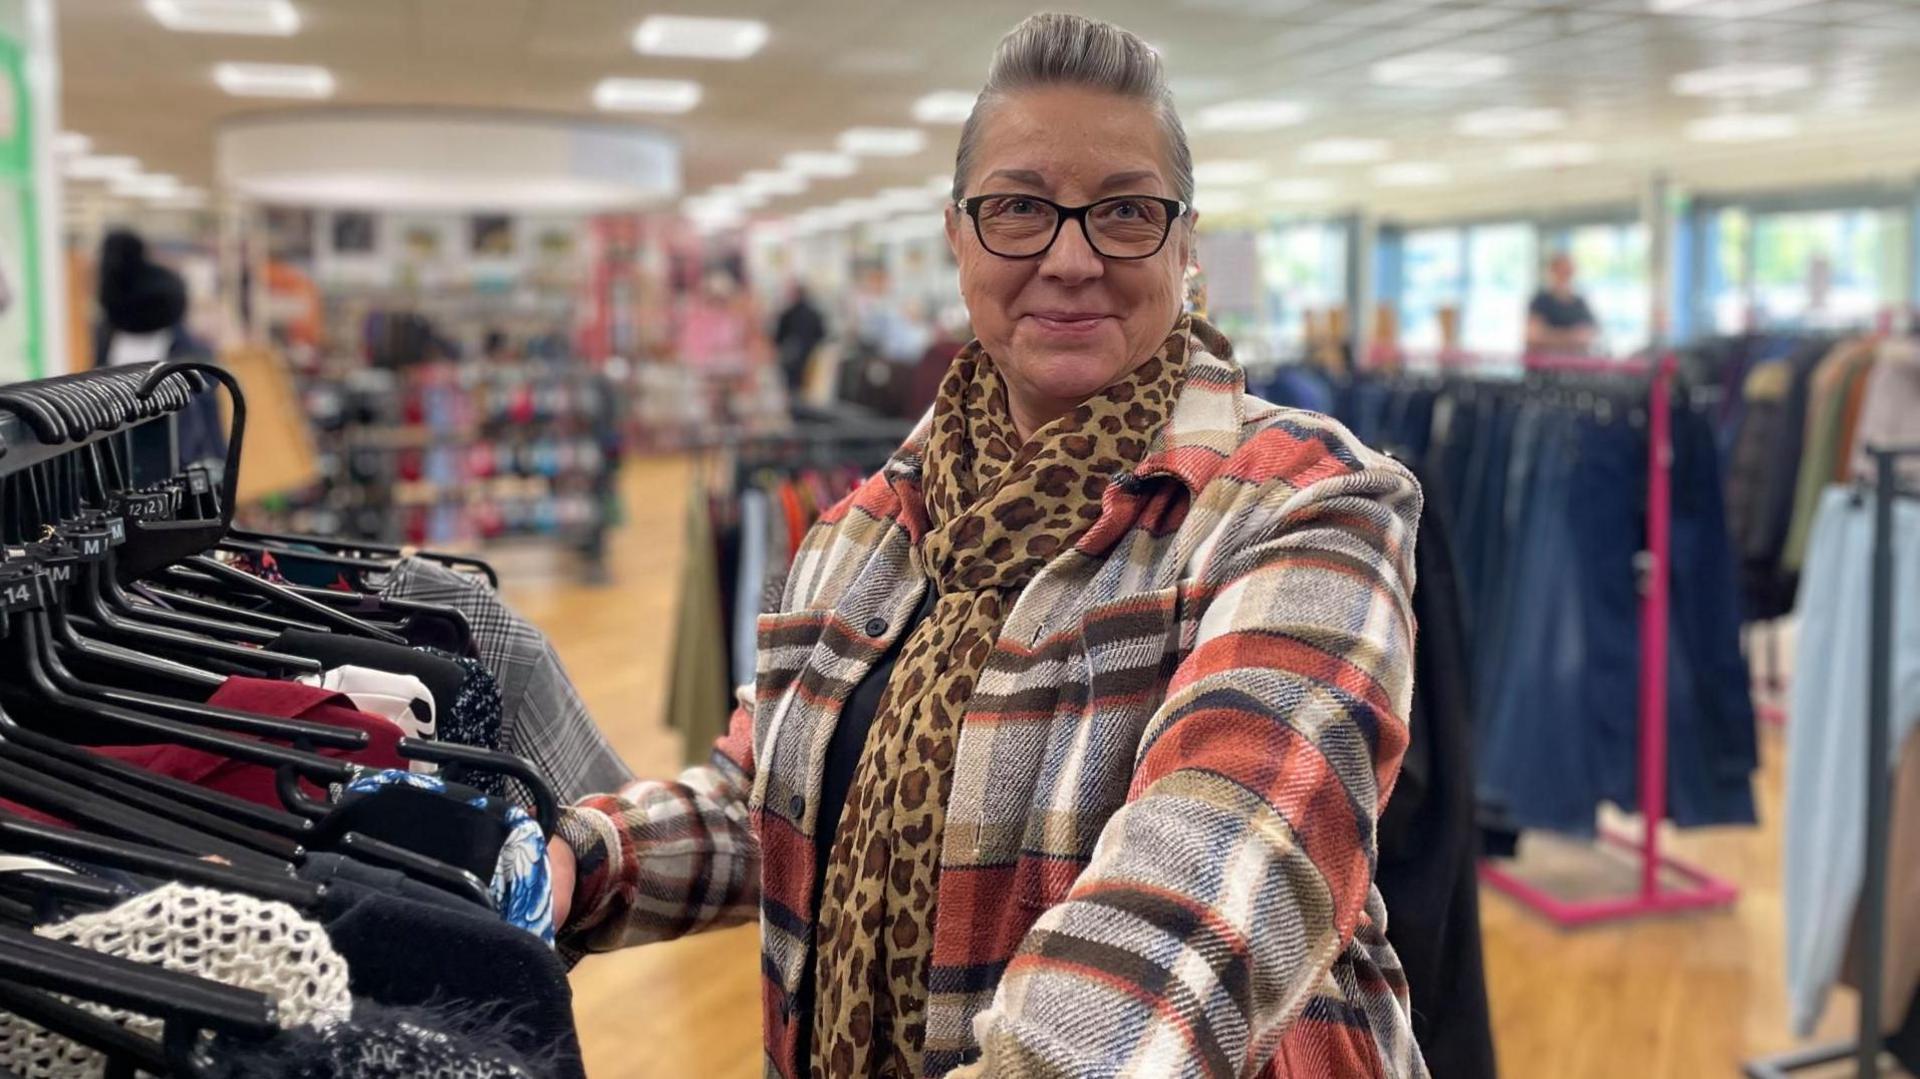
(1159, 847)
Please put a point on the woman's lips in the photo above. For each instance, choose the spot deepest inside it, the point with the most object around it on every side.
(1063, 322)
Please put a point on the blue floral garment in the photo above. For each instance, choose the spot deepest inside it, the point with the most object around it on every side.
(522, 885)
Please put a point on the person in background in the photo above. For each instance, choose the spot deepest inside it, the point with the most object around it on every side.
(143, 307)
(796, 333)
(1559, 320)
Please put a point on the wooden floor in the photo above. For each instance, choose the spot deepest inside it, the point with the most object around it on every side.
(1677, 998)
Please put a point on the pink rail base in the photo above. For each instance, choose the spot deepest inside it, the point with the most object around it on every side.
(1700, 891)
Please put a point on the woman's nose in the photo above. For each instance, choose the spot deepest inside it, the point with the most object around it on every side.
(1072, 257)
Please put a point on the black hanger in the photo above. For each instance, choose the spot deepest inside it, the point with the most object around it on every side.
(362, 548)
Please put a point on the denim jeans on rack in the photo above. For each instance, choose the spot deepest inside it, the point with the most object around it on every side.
(1608, 511)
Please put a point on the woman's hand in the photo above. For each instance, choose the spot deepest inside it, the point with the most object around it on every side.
(562, 869)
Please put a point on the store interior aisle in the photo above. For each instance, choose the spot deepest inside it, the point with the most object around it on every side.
(1673, 998)
(690, 1007)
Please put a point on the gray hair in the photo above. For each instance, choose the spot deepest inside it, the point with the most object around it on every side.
(1056, 49)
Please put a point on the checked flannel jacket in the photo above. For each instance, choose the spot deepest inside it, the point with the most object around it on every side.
(1159, 847)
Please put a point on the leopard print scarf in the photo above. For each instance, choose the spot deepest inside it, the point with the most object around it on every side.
(998, 511)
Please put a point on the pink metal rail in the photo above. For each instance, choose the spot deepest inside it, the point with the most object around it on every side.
(1697, 890)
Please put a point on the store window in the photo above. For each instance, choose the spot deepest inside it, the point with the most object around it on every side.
(1503, 266)
(1303, 267)
(1610, 270)
(1823, 268)
(1433, 276)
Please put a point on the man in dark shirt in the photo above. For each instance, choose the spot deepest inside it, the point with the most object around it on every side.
(1559, 320)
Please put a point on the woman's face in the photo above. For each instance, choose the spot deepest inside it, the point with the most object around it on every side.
(1070, 323)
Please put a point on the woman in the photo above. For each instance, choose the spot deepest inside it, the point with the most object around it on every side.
(1072, 725)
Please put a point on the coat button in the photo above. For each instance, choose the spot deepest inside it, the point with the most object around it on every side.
(797, 805)
(876, 627)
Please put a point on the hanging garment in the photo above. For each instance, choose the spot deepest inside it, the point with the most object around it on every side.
(542, 716)
(383, 1042)
(1826, 827)
(520, 881)
(234, 939)
(1425, 871)
(697, 693)
(750, 588)
(257, 783)
(476, 719)
(1820, 445)
(440, 674)
(1891, 413)
(1900, 976)
(404, 952)
(402, 698)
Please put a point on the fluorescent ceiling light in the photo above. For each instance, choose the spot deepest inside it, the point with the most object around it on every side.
(1228, 173)
(1744, 127)
(1441, 70)
(699, 37)
(882, 141)
(774, 182)
(1723, 9)
(1509, 122)
(72, 144)
(1743, 80)
(94, 167)
(1345, 151)
(646, 95)
(1552, 155)
(944, 107)
(737, 195)
(274, 80)
(1219, 202)
(145, 186)
(1251, 114)
(267, 18)
(1412, 174)
(1300, 190)
(814, 163)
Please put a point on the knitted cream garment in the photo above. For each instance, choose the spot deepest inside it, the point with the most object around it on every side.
(235, 939)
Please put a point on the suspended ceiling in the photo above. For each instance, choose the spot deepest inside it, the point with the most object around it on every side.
(137, 88)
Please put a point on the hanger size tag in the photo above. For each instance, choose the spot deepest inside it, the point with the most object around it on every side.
(198, 482)
(22, 589)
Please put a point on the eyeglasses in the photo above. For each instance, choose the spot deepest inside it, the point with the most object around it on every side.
(1026, 226)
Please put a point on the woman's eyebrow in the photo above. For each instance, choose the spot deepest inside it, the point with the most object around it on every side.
(1122, 179)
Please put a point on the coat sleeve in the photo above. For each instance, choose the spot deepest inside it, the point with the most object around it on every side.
(661, 859)
(1219, 897)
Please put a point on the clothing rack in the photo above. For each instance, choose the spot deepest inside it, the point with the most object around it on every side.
(1866, 1046)
(1700, 890)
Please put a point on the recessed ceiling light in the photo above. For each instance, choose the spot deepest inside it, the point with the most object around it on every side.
(699, 37)
(145, 186)
(1300, 190)
(1441, 70)
(269, 18)
(882, 141)
(944, 107)
(1509, 122)
(274, 80)
(1412, 174)
(94, 167)
(1743, 80)
(1252, 114)
(1723, 9)
(1552, 155)
(1345, 151)
(646, 95)
(1744, 127)
(1228, 173)
(815, 163)
(774, 182)
(72, 144)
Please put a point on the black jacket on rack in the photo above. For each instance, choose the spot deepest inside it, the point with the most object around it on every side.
(1428, 841)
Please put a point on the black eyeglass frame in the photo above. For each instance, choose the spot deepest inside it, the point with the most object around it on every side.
(971, 207)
